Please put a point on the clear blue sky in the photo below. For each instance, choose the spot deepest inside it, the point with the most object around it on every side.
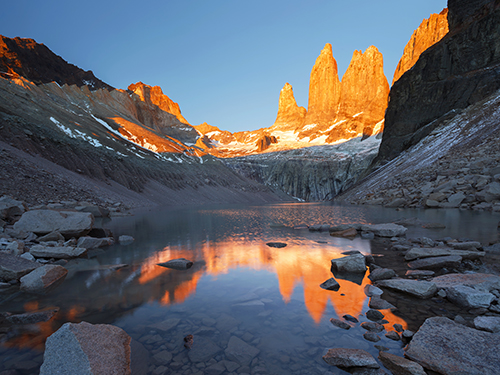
(223, 61)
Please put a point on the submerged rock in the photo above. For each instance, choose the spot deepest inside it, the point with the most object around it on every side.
(348, 358)
(240, 352)
(449, 348)
(177, 264)
(84, 348)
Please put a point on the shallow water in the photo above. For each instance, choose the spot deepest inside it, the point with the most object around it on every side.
(238, 287)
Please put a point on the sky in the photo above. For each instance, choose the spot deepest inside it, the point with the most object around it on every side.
(223, 61)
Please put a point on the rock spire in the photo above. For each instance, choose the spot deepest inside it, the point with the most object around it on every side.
(289, 113)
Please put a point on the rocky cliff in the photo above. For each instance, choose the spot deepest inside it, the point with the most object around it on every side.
(460, 70)
(290, 115)
(430, 31)
(34, 61)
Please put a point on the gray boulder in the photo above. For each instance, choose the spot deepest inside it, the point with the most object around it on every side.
(399, 365)
(330, 284)
(13, 267)
(469, 245)
(84, 349)
(10, 209)
(43, 279)
(449, 348)
(426, 252)
(340, 323)
(469, 297)
(379, 304)
(94, 243)
(239, 351)
(479, 281)
(417, 288)
(487, 323)
(69, 224)
(381, 274)
(435, 262)
(58, 252)
(348, 358)
(385, 230)
(177, 264)
(355, 263)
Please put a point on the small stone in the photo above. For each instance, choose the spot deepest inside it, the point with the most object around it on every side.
(347, 358)
(381, 274)
(278, 245)
(371, 336)
(393, 335)
(374, 315)
(339, 323)
(125, 239)
(177, 264)
(372, 326)
(351, 318)
(330, 284)
(398, 327)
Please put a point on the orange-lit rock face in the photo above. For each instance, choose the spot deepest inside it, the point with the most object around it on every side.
(430, 31)
(289, 113)
(324, 89)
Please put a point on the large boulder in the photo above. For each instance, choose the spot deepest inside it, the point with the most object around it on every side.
(479, 281)
(13, 267)
(58, 252)
(69, 224)
(85, 348)
(435, 262)
(385, 230)
(43, 279)
(449, 348)
(10, 209)
(354, 263)
(469, 297)
(399, 365)
(417, 288)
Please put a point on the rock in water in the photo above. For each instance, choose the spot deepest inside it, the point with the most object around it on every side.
(43, 279)
(450, 348)
(58, 252)
(13, 267)
(400, 365)
(69, 224)
(417, 288)
(85, 348)
(347, 358)
(355, 263)
(278, 245)
(177, 264)
(330, 284)
(239, 351)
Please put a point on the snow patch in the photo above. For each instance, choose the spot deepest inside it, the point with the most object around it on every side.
(76, 134)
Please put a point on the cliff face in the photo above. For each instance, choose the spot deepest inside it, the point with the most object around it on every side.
(430, 31)
(35, 62)
(460, 70)
(324, 89)
(289, 113)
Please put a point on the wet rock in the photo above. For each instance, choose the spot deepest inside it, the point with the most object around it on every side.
(57, 252)
(240, 352)
(436, 262)
(449, 348)
(374, 315)
(330, 284)
(349, 358)
(399, 365)
(372, 326)
(417, 288)
(347, 233)
(43, 279)
(398, 327)
(487, 323)
(379, 304)
(277, 245)
(371, 290)
(203, 349)
(381, 274)
(367, 235)
(139, 358)
(188, 341)
(371, 336)
(339, 323)
(385, 230)
(93, 243)
(426, 252)
(69, 224)
(84, 348)
(32, 317)
(13, 267)
(351, 318)
(354, 263)
(393, 335)
(125, 240)
(177, 264)
(469, 297)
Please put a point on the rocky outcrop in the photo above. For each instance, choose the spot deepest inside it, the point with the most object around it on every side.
(324, 89)
(460, 70)
(290, 115)
(430, 31)
(34, 61)
(265, 141)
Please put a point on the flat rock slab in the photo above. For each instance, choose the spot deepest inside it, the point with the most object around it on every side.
(378, 303)
(449, 348)
(385, 230)
(13, 267)
(57, 252)
(355, 263)
(479, 281)
(43, 279)
(400, 365)
(381, 274)
(465, 245)
(84, 348)
(435, 262)
(94, 243)
(347, 358)
(203, 349)
(420, 289)
(165, 325)
(69, 224)
(426, 252)
(177, 264)
(32, 317)
(240, 352)
(469, 297)
(488, 323)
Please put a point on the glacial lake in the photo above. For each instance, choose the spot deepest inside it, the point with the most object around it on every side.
(238, 289)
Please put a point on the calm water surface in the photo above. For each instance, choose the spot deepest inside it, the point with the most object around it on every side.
(238, 287)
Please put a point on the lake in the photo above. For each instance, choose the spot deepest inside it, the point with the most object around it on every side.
(240, 293)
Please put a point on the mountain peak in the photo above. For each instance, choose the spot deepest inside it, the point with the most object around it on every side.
(289, 113)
